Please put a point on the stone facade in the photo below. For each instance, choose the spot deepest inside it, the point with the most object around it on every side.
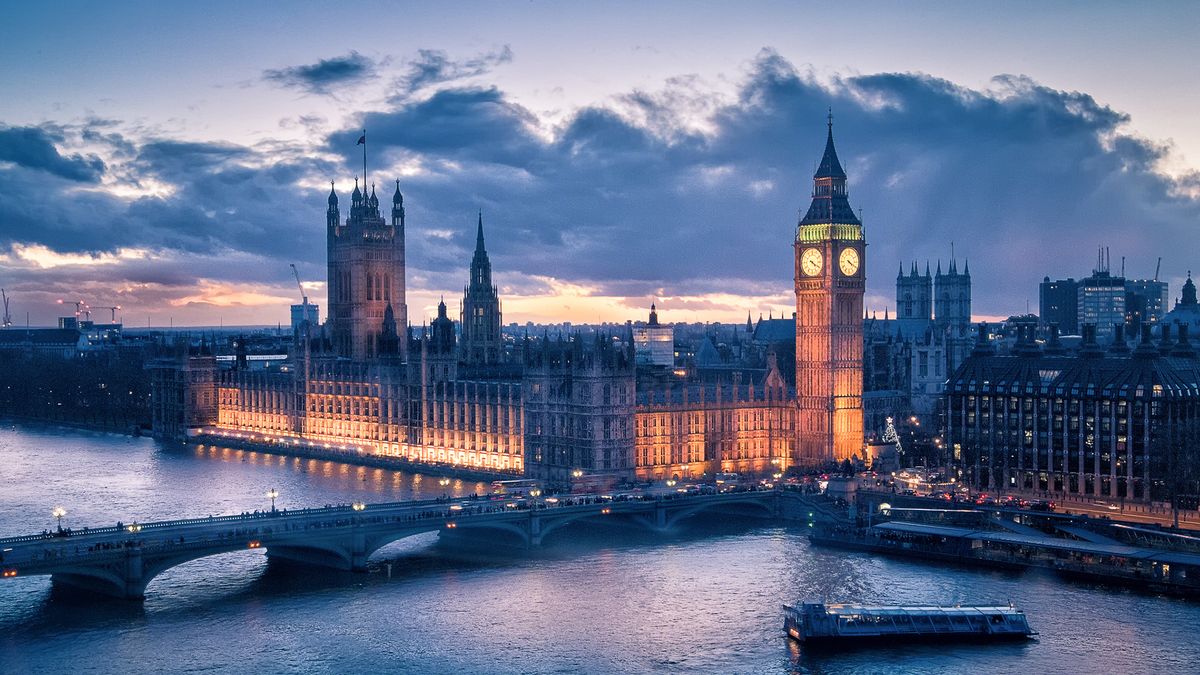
(553, 409)
(830, 282)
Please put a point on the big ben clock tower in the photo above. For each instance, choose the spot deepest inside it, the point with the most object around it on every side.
(830, 281)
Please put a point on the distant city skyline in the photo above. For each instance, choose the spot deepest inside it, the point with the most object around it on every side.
(621, 155)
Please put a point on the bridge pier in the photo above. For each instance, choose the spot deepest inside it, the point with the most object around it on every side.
(358, 551)
(534, 536)
(125, 580)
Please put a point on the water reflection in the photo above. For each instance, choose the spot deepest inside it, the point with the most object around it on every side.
(600, 597)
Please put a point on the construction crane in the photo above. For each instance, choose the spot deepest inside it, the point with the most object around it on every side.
(113, 309)
(81, 307)
(307, 329)
(7, 316)
(303, 295)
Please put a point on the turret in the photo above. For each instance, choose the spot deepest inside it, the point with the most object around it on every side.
(398, 208)
(331, 215)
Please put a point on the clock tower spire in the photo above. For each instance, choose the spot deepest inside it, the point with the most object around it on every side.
(830, 282)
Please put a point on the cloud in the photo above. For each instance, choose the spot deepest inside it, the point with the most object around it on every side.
(33, 148)
(660, 194)
(1014, 175)
(325, 75)
(434, 66)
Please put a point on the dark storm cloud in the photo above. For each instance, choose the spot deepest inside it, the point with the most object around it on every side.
(217, 202)
(634, 201)
(33, 148)
(1018, 177)
(325, 75)
(434, 66)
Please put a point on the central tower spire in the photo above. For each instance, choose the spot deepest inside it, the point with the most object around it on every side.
(830, 201)
(481, 308)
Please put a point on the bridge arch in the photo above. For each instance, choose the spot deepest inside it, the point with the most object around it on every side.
(758, 501)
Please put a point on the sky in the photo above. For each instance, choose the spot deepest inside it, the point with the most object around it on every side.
(175, 159)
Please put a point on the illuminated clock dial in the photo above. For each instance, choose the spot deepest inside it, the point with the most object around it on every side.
(848, 261)
(811, 262)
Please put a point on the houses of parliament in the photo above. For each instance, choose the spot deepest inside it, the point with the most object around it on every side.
(547, 407)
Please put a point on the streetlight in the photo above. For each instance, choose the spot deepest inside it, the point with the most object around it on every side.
(535, 493)
(272, 493)
(577, 473)
(358, 506)
(58, 513)
(134, 528)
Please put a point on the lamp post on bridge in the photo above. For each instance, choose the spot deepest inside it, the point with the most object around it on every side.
(58, 514)
(272, 493)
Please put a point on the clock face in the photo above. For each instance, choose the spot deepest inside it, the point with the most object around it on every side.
(848, 261)
(811, 262)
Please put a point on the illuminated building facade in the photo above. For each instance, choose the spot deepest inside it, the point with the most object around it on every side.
(552, 409)
(1089, 423)
(830, 282)
(688, 431)
(366, 274)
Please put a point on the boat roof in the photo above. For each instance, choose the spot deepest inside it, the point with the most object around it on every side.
(1095, 548)
(893, 610)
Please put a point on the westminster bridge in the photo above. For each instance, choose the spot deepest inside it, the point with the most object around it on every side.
(121, 560)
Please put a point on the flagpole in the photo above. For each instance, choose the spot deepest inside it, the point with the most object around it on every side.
(364, 161)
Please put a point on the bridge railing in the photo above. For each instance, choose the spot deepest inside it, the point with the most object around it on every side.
(348, 509)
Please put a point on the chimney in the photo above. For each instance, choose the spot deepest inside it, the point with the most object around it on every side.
(983, 344)
(1027, 343)
(1184, 348)
(1053, 346)
(1089, 348)
(1146, 348)
(1164, 339)
(1119, 346)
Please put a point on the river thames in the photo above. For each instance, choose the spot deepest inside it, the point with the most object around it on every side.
(705, 599)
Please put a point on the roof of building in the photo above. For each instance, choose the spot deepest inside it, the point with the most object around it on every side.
(39, 336)
(830, 204)
(708, 355)
(1107, 376)
(830, 166)
(775, 330)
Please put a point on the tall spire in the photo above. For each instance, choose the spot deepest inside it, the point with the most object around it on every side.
(830, 204)
(479, 234)
(830, 166)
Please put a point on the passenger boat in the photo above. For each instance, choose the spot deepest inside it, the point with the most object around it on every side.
(819, 623)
